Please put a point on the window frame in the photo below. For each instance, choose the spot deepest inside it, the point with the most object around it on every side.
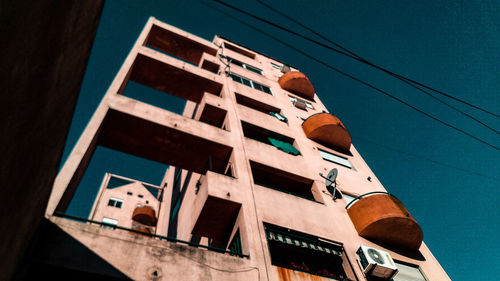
(250, 83)
(115, 202)
(244, 65)
(109, 222)
(295, 99)
(346, 164)
(297, 242)
(398, 263)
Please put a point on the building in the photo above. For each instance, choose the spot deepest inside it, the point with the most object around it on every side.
(263, 182)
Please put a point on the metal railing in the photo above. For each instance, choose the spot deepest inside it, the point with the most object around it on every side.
(160, 237)
(365, 195)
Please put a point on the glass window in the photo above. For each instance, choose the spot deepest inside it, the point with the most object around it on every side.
(335, 158)
(303, 252)
(244, 65)
(348, 198)
(246, 82)
(250, 83)
(235, 245)
(114, 202)
(110, 222)
(407, 272)
(306, 104)
(277, 66)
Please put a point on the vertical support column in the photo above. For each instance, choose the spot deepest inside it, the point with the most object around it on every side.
(71, 173)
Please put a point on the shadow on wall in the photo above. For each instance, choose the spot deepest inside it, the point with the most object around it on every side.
(52, 248)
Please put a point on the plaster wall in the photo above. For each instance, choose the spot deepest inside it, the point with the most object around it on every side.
(136, 256)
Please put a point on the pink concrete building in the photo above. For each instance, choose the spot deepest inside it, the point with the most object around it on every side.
(263, 183)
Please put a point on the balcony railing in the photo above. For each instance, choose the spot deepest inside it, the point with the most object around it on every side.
(160, 237)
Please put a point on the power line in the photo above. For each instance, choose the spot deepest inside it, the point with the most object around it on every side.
(426, 159)
(354, 56)
(406, 80)
(350, 76)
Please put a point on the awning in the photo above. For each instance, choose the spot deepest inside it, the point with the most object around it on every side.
(284, 146)
(279, 116)
(302, 242)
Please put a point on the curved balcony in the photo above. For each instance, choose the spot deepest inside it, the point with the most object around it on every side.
(327, 130)
(381, 217)
(145, 215)
(297, 83)
(144, 230)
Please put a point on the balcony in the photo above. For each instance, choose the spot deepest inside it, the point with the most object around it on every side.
(145, 215)
(328, 130)
(381, 217)
(297, 83)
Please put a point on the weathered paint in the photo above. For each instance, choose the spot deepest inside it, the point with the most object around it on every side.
(383, 218)
(328, 130)
(297, 83)
(186, 141)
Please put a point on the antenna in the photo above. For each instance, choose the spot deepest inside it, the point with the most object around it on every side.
(331, 179)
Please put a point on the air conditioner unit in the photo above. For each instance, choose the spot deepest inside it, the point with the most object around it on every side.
(300, 104)
(375, 262)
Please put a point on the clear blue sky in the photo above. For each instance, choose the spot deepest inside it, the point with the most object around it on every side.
(449, 181)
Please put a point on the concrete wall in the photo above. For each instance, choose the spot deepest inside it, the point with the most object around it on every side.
(44, 50)
(137, 256)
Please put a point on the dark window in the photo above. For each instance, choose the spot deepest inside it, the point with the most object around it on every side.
(255, 104)
(239, 50)
(244, 65)
(281, 142)
(302, 252)
(140, 196)
(235, 245)
(113, 202)
(282, 181)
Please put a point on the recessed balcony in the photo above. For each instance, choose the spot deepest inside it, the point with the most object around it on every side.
(381, 217)
(297, 83)
(145, 215)
(328, 130)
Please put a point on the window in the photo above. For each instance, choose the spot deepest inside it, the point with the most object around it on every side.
(129, 193)
(279, 141)
(277, 66)
(303, 252)
(335, 158)
(235, 245)
(244, 65)
(109, 223)
(282, 181)
(302, 104)
(408, 272)
(255, 104)
(279, 116)
(239, 50)
(348, 198)
(140, 196)
(250, 83)
(113, 202)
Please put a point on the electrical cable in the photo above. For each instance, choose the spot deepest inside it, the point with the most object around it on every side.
(397, 76)
(351, 76)
(345, 51)
(426, 159)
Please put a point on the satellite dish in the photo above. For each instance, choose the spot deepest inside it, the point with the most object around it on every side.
(332, 177)
(331, 183)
